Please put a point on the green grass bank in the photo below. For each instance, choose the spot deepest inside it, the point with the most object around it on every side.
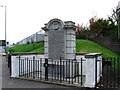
(82, 46)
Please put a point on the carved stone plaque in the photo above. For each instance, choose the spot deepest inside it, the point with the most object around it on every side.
(56, 42)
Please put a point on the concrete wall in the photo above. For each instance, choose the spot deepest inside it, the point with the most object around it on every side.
(16, 63)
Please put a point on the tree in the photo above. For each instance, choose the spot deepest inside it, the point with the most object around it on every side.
(79, 31)
(83, 32)
(113, 28)
(115, 21)
(98, 27)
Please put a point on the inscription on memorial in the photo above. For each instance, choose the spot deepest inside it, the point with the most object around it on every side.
(56, 44)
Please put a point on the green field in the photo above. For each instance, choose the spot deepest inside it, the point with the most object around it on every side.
(82, 46)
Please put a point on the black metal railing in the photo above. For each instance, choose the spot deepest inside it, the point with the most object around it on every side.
(59, 71)
(70, 71)
(110, 73)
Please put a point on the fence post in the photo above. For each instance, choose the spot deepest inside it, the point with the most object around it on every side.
(27, 68)
(46, 69)
(114, 72)
(69, 71)
(60, 69)
(19, 66)
(52, 69)
(9, 63)
(33, 67)
(118, 71)
(81, 72)
(72, 71)
(107, 67)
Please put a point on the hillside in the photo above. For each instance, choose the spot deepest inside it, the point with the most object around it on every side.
(82, 46)
(28, 48)
(85, 46)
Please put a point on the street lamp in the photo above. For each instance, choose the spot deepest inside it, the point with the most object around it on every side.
(5, 24)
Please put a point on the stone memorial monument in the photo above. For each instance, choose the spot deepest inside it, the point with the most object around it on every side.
(60, 40)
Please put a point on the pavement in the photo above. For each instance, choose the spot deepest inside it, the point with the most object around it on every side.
(0, 68)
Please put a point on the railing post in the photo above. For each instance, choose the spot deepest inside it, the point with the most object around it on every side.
(114, 72)
(60, 69)
(118, 71)
(19, 65)
(9, 63)
(27, 68)
(81, 71)
(33, 67)
(63, 70)
(107, 71)
(69, 72)
(78, 71)
(46, 69)
(52, 69)
(41, 69)
(72, 70)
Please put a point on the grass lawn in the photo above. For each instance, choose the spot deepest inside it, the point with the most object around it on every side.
(82, 46)
(28, 48)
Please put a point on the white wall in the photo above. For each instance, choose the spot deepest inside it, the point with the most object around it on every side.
(15, 64)
(91, 71)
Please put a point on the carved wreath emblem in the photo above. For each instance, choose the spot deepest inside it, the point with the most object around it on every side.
(55, 25)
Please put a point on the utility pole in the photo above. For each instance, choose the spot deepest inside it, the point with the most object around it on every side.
(5, 24)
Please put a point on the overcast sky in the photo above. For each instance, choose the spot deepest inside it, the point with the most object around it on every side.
(25, 17)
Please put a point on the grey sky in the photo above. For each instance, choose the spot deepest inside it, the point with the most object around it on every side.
(25, 17)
